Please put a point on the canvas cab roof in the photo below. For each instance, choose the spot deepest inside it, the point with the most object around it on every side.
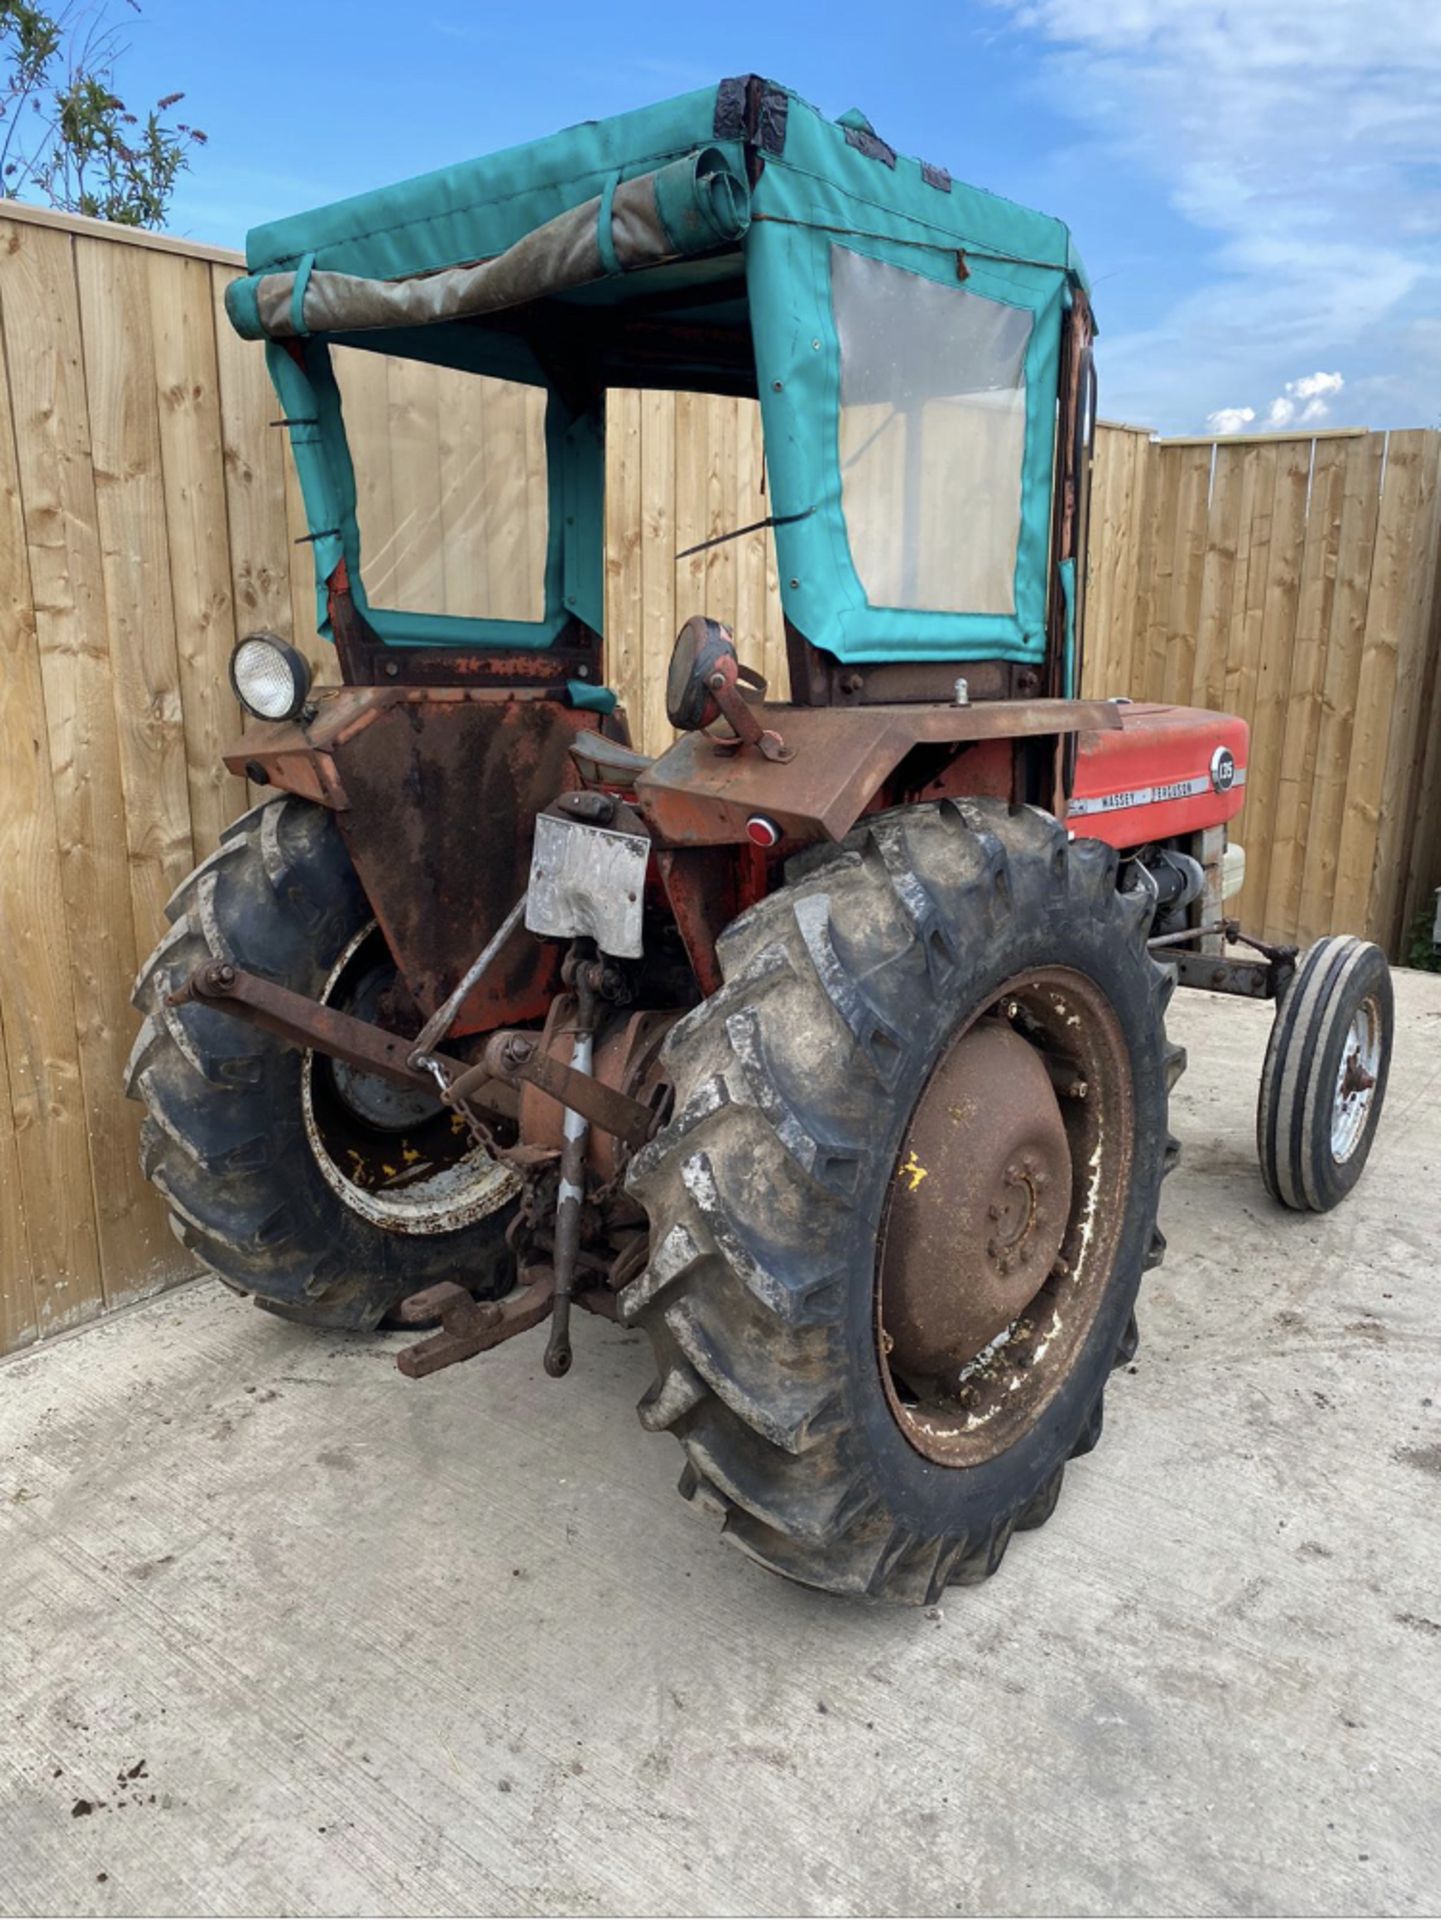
(736, 241)
(809, 167)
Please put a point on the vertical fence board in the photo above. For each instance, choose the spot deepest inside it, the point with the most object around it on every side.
(1193, 508)
(1242, 662)
(19, 1322)
(196, 535)
(1100, 665)
(365, 404)
(1316, 595)
(721, 516)
(1402, 494)
(658, 566)
(130, 518)
(1214, 623)
(1138, 448)
(1154, 637)
(1270, 651)
(758, 585)
(44, 1144)
(1360, 503)
(624, 585)
(57, 490)
(1408, 696)
(253, 457)
(1423, 869)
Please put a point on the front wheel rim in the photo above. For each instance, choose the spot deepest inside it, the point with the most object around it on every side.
(1354, 1093)
(979, 1402)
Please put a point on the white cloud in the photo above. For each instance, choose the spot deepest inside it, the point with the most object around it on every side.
(1312, 385)
(1300, 403)
(1300, 137)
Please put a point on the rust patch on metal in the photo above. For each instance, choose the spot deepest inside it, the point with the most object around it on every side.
(444, 790)
(468, 1327)
(702, 794)
(961, 1394)
(982, 1195)
(706, 888)
(521, 1059)
(627, 1084)
(303, 1022)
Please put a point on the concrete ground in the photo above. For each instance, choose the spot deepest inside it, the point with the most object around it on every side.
(307, 1638)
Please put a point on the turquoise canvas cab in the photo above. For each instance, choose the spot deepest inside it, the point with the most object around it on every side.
(909, 339)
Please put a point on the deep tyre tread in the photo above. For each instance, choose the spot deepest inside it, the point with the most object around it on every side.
(1295, 1106)
(224, 1139)
(794, 1084)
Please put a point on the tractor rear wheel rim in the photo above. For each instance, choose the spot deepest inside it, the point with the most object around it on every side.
(399, 1160)
(1003, 1216)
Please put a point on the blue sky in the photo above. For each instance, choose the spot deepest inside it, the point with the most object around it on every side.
(1255, 186)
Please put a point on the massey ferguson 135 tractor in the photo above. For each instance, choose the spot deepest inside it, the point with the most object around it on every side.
(828, 1047)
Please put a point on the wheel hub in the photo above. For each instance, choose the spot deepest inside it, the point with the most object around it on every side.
(981, 1200)
(1356, 1080)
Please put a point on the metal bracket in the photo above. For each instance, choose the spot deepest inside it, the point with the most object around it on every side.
(306, 1023)
(1252, 979)
(468, 1327)
(517, 1057)
(1263, 979)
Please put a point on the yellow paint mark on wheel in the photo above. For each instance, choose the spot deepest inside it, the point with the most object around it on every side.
(913, 1171)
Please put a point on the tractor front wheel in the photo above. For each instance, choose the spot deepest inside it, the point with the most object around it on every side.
(326, 1193)
(900, 1217)
(1324, 1079)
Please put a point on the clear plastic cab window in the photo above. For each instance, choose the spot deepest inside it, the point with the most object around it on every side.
(451, 489)
(932, 437)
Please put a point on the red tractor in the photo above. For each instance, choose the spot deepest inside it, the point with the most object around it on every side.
(829, 1046)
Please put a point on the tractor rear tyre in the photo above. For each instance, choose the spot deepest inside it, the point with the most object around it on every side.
(900, 1216)
(326, 1193)
(1324, 1079)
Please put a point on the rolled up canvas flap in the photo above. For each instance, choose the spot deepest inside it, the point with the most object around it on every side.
(690, 206)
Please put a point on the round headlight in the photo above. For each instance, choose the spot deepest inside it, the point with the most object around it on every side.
(701, 647)
(271, 679)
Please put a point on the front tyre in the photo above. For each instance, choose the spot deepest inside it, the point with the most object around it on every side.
(899, 1220)
(326, 1193)
(1324, 1078)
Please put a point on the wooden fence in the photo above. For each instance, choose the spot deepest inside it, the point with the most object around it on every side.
(148, 513)
(1292, 581)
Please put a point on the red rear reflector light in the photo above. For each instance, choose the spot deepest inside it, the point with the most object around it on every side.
(762, 832)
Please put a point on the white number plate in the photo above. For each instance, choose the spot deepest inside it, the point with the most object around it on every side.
(587, 880)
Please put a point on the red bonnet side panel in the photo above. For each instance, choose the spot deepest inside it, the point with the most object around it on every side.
(1167, 771)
